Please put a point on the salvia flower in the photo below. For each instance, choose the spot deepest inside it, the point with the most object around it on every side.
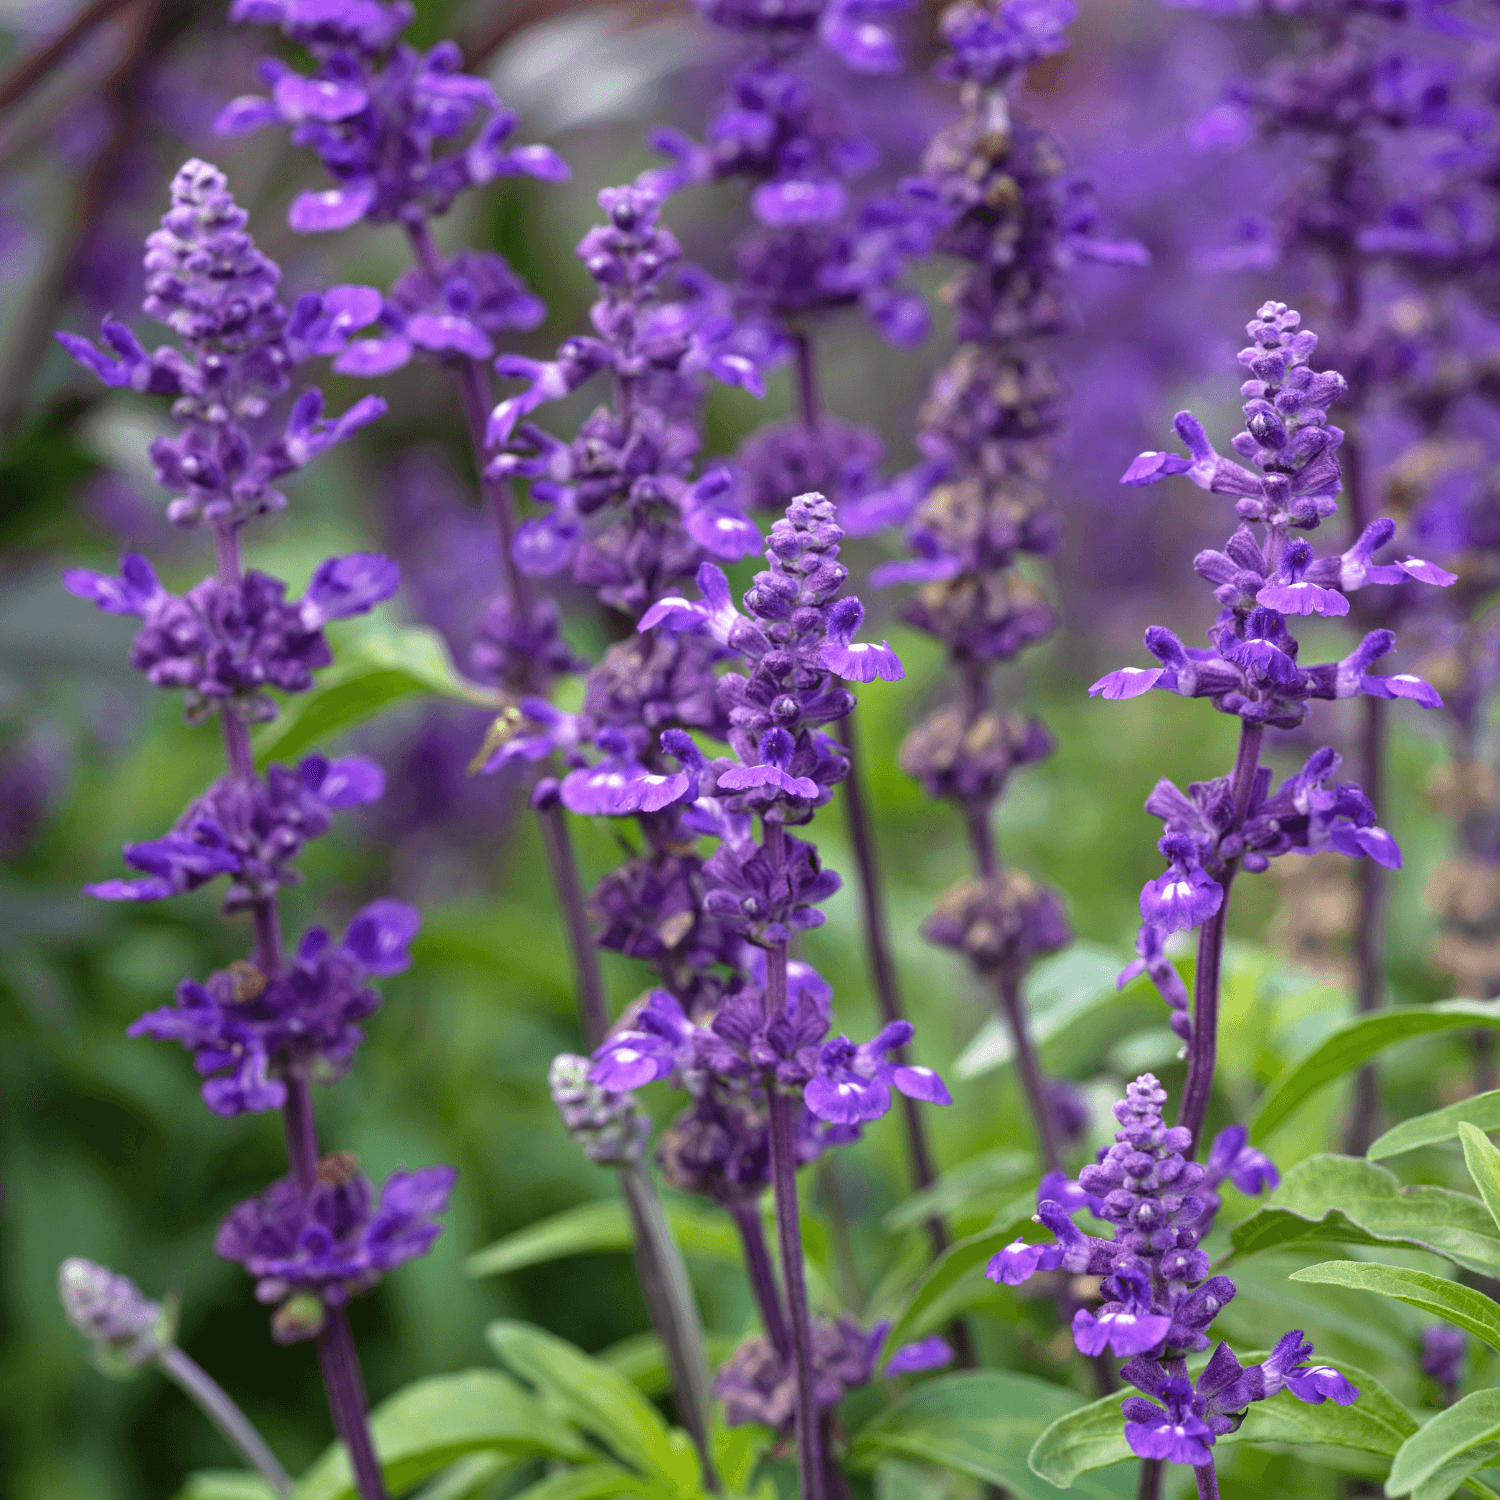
(379, 114)
(248, 1032)
(1159, 1298)
(611, 1128)
(208, 283)
(251, 831)
(309, 1249)
(228, 643)
(1444, 1349)
(127, 1328)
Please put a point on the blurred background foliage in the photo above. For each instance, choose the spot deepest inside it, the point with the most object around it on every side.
(105, 1149)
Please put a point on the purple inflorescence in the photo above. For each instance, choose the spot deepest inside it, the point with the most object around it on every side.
(1159, 1297)
(316, 1247)
(1251, 667)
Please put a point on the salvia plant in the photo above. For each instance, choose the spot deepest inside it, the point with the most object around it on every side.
(651, 624)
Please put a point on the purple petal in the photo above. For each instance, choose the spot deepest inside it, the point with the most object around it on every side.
(1316, 1384)
(677, 614)
(1126, 682)
(1402, 685)
(1148, 468)
(444, 331)
(349, 781)
(1019, 1262)
(300, 98)
(1427, 572)
(1177, 900)
(847, 1100)
(346, 586)
(337, 208)
(931, 1353)
(729, 534)
(913, 570)
(1303, 598)
(248, 113)
(782, 205)
(921, 1083)
(862, 662)
(1374, 842)
(366, 359)
(378, 935)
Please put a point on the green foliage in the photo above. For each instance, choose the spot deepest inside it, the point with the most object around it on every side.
(1481, 1111)
(1460, 1305)
(1456, 1443)
(1093, 1437)
(378, 666)
(1353, 1044)
(226, 1484)
(603, 1225)
(1483, 1162)
(981, 1423)
(1345, 1200)
(423, 1428)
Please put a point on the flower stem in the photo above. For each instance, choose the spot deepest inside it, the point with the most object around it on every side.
(808, 402)
(761, 1275)
(1149, 1487)
(1369, 931)
(872, 909)
(336, 1355)
(1029, 1068)
(215, 1404)
(1203, 1049)
(783, 1106)
(346, 1396)
(674, 1312)
(1208, 1481)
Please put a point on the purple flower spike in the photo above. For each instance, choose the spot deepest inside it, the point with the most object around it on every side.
(1127, 682)
(932, 1353)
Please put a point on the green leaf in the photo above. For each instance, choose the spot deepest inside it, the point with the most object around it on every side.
(1093, 1436)
(1354, 1044)
(377, 665)
(429, 1424)
(603, 1224)
(1482, 1110)
(1059, 991)
(1460, 1305)
(959, 1187)
(1483, 1162)
(1345, 1200)
(598, 1399)
(930, 1304)
(596, 1482)
(1434, 1462)
(226, 1484)
(467, 1478)
(983, 1423)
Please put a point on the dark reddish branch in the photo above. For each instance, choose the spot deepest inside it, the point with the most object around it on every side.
(35, 66)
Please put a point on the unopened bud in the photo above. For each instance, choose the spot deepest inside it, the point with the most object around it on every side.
(126, 1328)
(300, 1317)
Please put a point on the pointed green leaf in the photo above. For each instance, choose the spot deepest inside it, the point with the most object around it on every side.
(424, 1427)
(1483, 1111)
(1456, 1443)
(1452, 1300)
(598, 1399)
(473, 1475)
(1354, 1044)
(932, 1302)
(960, 1186)
(1483, 1162)
(602, 1225)
(983, 1423)
(377, 665)
(1345, 1200)
(1093, 1436)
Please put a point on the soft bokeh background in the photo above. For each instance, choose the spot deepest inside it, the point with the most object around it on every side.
(105, 1149)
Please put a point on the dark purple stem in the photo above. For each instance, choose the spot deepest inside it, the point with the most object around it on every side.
(215, 1403)
(1149, 1487)
(1208, 1481)
(882, 965)
(762, 1276)
(336, 1355)
(346, 1394)
(1203, 1049)
(474, 392)
(782, 1108)
(1029, 1068)
(807, 382)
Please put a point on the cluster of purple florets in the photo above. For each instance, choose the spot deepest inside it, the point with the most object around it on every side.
(1251, 668)
(264, 1028)
(1159, 1297)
